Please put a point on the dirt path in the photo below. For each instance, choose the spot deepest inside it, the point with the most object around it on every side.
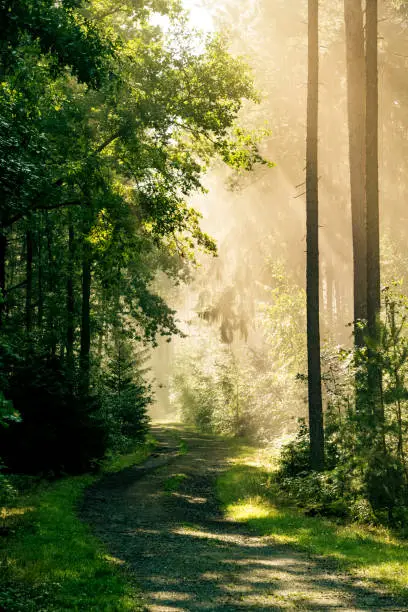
(163, 521)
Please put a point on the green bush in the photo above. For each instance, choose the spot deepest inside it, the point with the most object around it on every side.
(329, 493)
(295, 456)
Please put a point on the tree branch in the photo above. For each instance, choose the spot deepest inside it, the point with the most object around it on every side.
(19, 286)
(108, 141)
(58, 183)
(22, 214)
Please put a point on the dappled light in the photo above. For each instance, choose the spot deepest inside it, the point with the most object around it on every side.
(195, 554)
(203, 305)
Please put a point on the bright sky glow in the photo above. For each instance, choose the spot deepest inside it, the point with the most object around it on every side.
(200, 17)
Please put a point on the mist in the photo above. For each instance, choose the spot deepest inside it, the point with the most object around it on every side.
(258, 218)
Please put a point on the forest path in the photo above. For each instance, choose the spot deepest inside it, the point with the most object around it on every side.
(163, 520)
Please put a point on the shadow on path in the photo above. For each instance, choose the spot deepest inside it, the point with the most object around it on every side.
(163, 521)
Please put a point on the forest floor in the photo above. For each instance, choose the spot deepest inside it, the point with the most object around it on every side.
(164, 521)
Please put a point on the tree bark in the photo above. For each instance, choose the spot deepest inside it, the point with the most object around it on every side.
(355, 55)
(51, 289)
(40, 312)
(312, 240)
(3, 252)
(86, 316)
(330, 292)
(70, 293)
(372, 183)
(373, 215)
(29, 282)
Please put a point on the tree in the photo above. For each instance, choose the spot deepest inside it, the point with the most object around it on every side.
(374, 379)
(355, 54)
(371, 173)
(312, 245)
(109, 125)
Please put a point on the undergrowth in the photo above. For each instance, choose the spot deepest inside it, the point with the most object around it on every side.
(249, 494)
(49, 560)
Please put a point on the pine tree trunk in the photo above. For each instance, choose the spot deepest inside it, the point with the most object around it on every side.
(355, 55)
(373, 215)
(3, 252)
(29, 281)
(86, 322)
(312, 240)
(51, 288)
(40, 312)
(70, 294)
(330, 291)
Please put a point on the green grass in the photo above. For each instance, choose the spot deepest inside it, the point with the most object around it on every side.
(183, 447)
(173, 482)
(247, 494)
(116, 463)
(52, 562)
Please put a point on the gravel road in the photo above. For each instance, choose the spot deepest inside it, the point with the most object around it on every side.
(163, 521)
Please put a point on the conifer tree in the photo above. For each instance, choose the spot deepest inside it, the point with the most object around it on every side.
(312, 240)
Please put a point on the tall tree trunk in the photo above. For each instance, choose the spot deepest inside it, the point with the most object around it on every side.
(86, 320)
(312, 240)
(355, 55)
(373, 215)
(3, 252)
(51, 288)
(70, 293)
(40, 312)
(330, 292)
(29, 281)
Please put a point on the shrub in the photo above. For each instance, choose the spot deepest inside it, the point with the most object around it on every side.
(295, 456)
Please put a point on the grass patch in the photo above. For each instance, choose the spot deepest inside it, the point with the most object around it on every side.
(248, 495)
(174, 482)
(51, 562)
(183, 447)
(116, 463)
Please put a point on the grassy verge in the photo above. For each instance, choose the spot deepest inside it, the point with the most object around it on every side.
(174, 482)
(51, 562)
(247, 493)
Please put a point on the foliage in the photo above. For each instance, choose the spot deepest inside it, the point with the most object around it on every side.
(115, 462)
(214, 397)
(249, 495)
(8, 413)
(125, 396)
(7, 491)
(108, 124)
(366, 476)
(295, 457)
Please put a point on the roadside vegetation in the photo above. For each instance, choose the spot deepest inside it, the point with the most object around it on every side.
(50, 561)
(249, 493)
